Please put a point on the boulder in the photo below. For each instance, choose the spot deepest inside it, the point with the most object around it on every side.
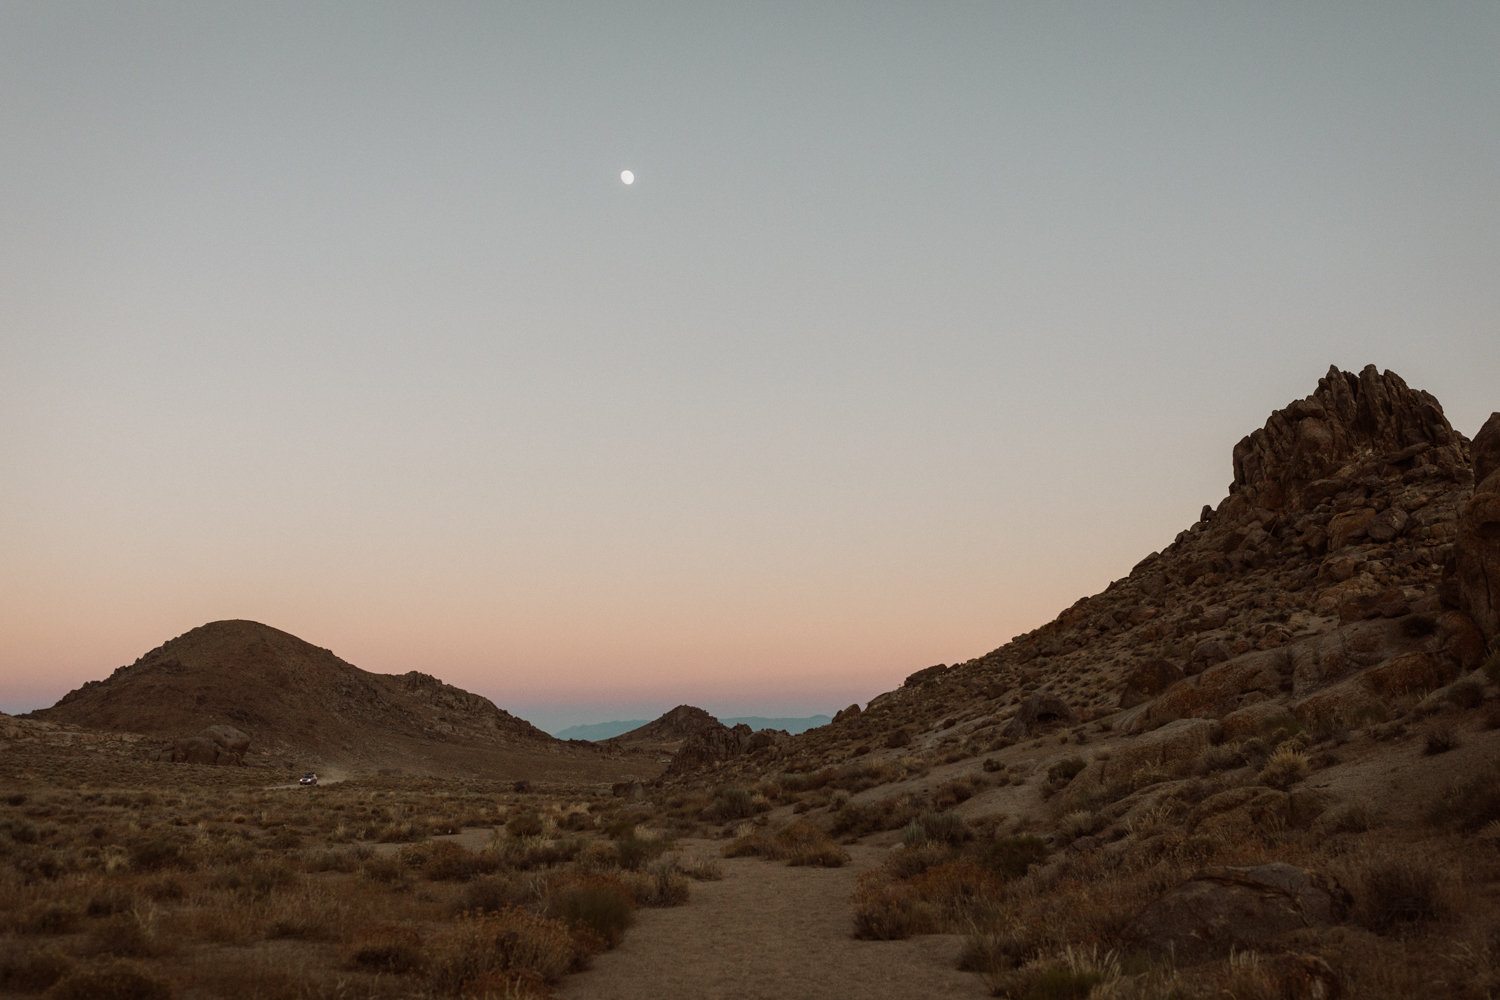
(1038, 712)
(851, 712)
(1348, 526)
(1149, 680)
(1253, 719)
(926, 674)
(1206, 654)
(1224, 908)
(1485, 450)
(234, 742)
(195, 750)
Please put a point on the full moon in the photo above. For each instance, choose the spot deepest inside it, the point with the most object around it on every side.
(627, 176)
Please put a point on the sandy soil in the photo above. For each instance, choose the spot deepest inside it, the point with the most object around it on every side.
(769, 932)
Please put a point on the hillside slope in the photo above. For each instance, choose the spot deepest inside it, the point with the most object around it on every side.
(303, 704)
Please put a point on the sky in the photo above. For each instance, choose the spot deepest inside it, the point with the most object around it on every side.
(919, 322)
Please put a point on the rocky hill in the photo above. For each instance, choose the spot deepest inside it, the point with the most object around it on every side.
(303, 706)
(1352, 564)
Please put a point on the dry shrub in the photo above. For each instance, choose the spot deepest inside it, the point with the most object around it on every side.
(49, 918)
(1072, 974)
(123, 936)
(441, 860)
(1467, 694)
(491, 895)
(31, 970)
(499, 949)
(636, 851)
(701, 869)
(109, 901)
(956, 889)
(1059, 775)
(1012, 857)
(936, 828)
(735, 803)
(661, 886)
(1285, 768)
(117, 980)
(951, 793)
(1439, 739)
(525, 825)
(389, 948)
(597, 904)
(802, 843)
(855, 819)
(1079, 823)
(306, 917)
(1469, 804)
(1394, 890)
(887, 911)
(155, 853)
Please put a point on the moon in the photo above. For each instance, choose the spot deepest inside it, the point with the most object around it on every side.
(627, 177)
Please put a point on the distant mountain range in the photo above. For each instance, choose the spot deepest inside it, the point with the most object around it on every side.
(605, 730)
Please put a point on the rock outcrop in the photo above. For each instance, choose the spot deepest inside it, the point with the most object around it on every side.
(1223, 908)
(1038, 712)
(1476, 550)
(1350, 427)
(215, 745)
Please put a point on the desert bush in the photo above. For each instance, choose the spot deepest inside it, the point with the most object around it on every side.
(1071, 975)
(600, 905)
(388, 948)
(1079, 823)
(122, 936)
(858, 819)
(732, 804)
(440, 860)
(109, 901)
(701, 869)
(256, 881)
(31, 970)
(118, 980)
(1355, 817)
(48, 918)
(1439, 739)
(802, 843)
(1467, 694)
(951, 793)
(525, 825)
(1013, 856)
(1469, 804)
(662, 885)
(155, 853)
(636, 851)
(499, 949)
(991, 765)
(936, 828)
(1284, 769)
(1491, 668)
(490, 895)
(383, 868)
(912, 861)
(956, 889)
(1395, 890)
(1220, 757)
(889, 912)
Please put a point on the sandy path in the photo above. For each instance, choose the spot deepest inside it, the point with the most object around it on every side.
(769, 932)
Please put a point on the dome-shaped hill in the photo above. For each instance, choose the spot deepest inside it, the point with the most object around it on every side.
(295, 699)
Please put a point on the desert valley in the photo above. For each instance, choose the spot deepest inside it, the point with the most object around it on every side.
(1264, 764)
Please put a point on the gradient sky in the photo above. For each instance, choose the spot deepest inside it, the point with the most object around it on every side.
(920, 321)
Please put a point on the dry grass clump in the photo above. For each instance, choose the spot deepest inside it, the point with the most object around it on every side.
(118, 980)
(798, 843)
(854, 820)
(1285, 768)
(1439, 739)
(388, 948)
(499, 951)
(596, 905)
(931, 827)
(1393, 890)
(1470, 803)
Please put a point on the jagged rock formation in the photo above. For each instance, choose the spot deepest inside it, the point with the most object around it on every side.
(1352, 426)
(1327, 579)
(670, 728)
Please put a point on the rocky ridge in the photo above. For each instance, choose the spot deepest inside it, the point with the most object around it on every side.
(1352, 562)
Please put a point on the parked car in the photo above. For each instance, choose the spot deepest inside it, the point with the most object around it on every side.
(309, 779)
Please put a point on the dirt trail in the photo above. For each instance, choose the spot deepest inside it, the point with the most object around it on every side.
(769, 932)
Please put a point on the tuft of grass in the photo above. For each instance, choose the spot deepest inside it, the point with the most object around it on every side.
(389, 948)
(117, 980)
(1439, 739)
(1467, 694)
(1284, 769)
(1400, 890)
(1469, 804)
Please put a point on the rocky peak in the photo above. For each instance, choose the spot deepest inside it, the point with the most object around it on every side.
(1351, 427)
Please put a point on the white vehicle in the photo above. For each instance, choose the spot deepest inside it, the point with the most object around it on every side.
(309, 779)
